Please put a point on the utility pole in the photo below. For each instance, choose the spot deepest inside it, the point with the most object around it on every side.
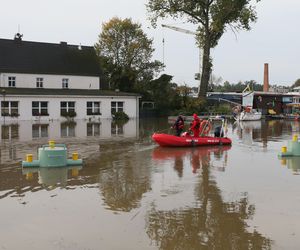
(189, 32)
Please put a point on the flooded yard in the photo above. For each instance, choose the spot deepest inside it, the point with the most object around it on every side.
(133, 194)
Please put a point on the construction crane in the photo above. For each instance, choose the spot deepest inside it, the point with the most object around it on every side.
(179, 29)
(189, 32)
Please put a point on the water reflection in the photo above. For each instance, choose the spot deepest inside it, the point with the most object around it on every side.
(125, 171)
(51, 177)
(248, 131)
(251, 132)
(124, 175)
(117, 128)
(25, 137)
(212, 223)
(40, 130)
(32, 130)
(292, 163)
(93, 129)
(197, 156)
(9, 132)
(67, 129)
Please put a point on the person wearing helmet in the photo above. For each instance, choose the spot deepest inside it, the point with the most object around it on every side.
(195, 125)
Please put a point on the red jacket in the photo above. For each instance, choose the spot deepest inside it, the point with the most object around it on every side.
(195, 124)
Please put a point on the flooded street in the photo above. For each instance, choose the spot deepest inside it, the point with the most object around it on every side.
(133, 194)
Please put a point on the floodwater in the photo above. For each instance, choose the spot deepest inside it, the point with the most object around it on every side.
(132, 194)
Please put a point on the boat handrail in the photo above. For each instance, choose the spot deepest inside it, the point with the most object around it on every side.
(56, 145)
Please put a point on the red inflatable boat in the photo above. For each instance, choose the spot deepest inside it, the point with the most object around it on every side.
(166, 140)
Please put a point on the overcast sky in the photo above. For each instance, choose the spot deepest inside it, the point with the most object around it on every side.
(274, 38)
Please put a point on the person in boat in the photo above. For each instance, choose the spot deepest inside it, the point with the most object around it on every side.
(235, 111)
(195, 125)
(219, 132)
(179, 125)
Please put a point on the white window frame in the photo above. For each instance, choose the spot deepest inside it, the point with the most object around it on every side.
(65, 83)
(42, 109)
(69, 107)
(10, 109)
(12, 81)
(94, 108)
(117, 107)
(39, 82)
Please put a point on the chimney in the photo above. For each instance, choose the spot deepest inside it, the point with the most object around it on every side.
(266, 78)
(63, 44)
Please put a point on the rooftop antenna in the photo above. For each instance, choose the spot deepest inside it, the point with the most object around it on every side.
(163, 41)
(163, 46)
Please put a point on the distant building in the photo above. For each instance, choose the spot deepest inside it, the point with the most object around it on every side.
(266, 102)
(296, 90)
(45, 81)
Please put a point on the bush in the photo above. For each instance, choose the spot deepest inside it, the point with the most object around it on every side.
(69, 114)
(122, 116)
(193, 105)
(14, 114)
(221, 109)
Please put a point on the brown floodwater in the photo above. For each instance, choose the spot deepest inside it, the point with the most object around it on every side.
(133, 194)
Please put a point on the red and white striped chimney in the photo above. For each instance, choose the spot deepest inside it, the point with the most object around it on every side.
(266, 78)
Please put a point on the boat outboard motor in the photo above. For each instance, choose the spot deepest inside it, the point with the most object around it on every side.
(219, 132)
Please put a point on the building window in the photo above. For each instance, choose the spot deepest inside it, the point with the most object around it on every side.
(93, 108)
(117, 107)
(40, 130)
(93, 129)
(39, 82)
(65, 83)
(296, 99)
(40, 109)
(67, 109)
(11, 81)
(9, 108)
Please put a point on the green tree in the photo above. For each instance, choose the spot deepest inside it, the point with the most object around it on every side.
(238, 87)
(184, 92)
(125, 54)
(296, 84)
(213, 18)
(164, 93)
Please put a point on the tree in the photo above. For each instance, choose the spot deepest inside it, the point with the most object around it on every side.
(164, 94)
(296, 84)
(213, 18)
(238, 87)
(125, 53)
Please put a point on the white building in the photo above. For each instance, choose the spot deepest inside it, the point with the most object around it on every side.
(46, 82)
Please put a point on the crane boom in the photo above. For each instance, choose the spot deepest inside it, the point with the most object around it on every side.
(189, 32)
(179, 29)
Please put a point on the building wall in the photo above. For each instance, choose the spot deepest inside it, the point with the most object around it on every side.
(51, 81)
(130, 107)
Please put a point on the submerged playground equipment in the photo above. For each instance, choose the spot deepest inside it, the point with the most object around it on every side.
(52, 155)
(292, 149)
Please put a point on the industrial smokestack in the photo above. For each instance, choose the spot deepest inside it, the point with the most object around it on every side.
(266, 78)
